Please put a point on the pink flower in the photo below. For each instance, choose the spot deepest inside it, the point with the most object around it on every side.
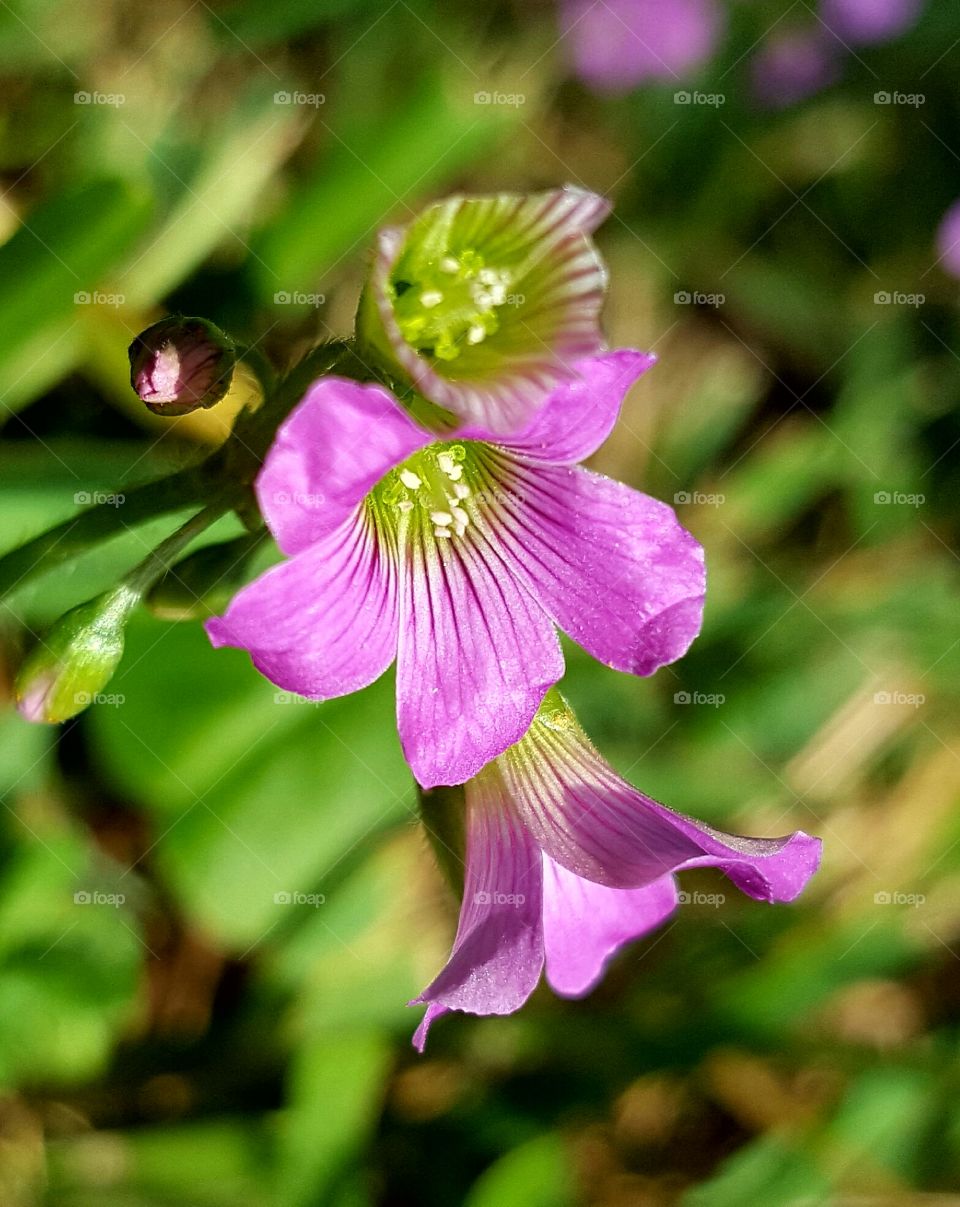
(618, 44)
(566, 862)
(457, 556)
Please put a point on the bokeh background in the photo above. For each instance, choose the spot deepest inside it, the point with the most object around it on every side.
(172, 1034)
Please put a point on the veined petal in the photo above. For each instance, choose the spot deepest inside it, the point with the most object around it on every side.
(324, 623)
(485, 302)
(578, 415)
(612, 566)
(498, 950)
(476, 654)
(332, 448)
(597, 825)
(584, 924)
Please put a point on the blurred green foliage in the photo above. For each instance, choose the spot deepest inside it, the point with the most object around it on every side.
(214, 899)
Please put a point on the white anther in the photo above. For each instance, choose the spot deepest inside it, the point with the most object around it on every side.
(443, 518)
(476, 334)
(445, 461)
(405, 505)
(460, 516)
(430, 298)
(443, 532)
(460, 529)
(488, 276)
(498, 295)
(450, 264)
(461, 490)
(455, 474)
(482, 298)
(410, 479)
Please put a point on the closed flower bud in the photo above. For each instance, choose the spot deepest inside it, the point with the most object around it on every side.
(181, 364)
(75, 660)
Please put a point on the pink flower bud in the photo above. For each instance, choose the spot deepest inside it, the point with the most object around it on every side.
(181, 364)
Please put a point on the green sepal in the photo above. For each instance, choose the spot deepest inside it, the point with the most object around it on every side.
(76, 659)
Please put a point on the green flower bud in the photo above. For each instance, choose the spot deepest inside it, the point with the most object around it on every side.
(76, 659)
(181, 364)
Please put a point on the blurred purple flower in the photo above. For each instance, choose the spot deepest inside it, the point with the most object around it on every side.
(566, 861)
(948, 241)
(793, 65)
(457, 556)
(618, 44)
(868, 21)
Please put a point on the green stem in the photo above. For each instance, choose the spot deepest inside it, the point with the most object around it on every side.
(443, 813)
(96, 524)
(228, 473)
(259, 366)
(158, 561)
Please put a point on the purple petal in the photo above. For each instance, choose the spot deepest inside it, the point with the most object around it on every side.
(477, 653)
(597, 825)
(585, 923)
(327, 455)
(618, 44)
(324, 623)
(578, 415)
(498, 951)
(432, 1013)
(612, 566)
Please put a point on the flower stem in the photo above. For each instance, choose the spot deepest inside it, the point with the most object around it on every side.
(227, 474)
(159, 560)
(96, 524)
(443, 814)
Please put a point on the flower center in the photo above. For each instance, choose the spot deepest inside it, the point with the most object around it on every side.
(451, 306)
(432, 481)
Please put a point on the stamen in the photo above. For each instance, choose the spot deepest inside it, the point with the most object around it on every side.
(430, 481)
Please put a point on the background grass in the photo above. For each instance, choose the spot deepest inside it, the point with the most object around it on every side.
(201, 1045)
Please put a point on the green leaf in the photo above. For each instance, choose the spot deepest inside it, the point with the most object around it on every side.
(372, 171)
(69, 962)
(768, 1171)
(535, 1174)
(54, 266)
(336, 1085)
(258, 793)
